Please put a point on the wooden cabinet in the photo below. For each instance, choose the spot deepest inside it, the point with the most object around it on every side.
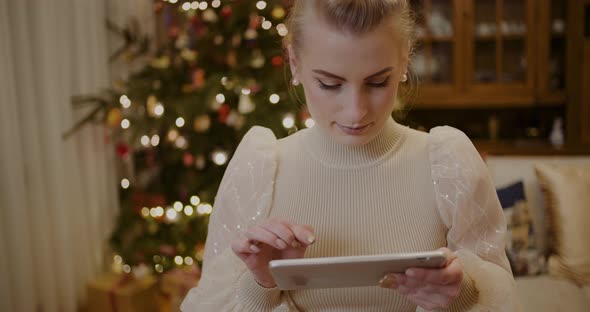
(490, 53)
(578, 84)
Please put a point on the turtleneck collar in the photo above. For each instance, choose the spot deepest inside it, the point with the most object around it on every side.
(322, 147)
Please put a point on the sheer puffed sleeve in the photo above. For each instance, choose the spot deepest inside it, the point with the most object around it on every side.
(469, 207)
(244, 197)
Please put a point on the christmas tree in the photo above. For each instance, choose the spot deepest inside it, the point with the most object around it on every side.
(219, 70)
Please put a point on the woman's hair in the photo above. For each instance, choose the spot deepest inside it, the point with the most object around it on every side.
(356, 17)
(353, 16)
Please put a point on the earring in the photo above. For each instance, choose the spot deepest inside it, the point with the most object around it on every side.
(295, 82)
(404, 78)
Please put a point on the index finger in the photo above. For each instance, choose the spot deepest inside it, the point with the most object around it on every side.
(303, 233)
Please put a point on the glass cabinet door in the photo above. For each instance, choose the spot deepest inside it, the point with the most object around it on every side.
(557, 46)
(500, 53)
(433, 59)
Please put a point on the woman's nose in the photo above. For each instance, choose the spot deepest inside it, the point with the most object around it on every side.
(356, 107)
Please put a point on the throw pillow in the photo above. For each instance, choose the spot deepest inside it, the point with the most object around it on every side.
(567, 193)
(521, 246)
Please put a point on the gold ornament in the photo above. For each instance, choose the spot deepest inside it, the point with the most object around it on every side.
(151, 104)
(161, 63)
(232, 58)
(114, 117)
(257, 59)
(245, 105)
(278, 12)
(202, 123)
(189, 55)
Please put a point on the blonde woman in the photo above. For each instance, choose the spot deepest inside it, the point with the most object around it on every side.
(357, 183)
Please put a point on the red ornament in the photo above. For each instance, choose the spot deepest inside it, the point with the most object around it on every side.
(122, 150)
(158, 6)
(223, 113)
(255, 21)
(227, 11)
(277, 60)
(188, 159)
(304, 115)
(174, 31)
(167, 250)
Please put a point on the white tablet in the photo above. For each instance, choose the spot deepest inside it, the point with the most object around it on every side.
(354, 271)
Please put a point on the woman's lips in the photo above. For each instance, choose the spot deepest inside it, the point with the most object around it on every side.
(353, 130)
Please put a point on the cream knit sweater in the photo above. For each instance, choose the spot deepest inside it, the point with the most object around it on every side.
(390, 195)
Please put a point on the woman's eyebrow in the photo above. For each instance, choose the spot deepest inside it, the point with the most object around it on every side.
(328, 74)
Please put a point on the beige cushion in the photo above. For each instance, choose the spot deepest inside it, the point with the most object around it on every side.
(567, 193)
(545, 293)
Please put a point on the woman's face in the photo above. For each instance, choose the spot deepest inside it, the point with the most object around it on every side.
(350, 81)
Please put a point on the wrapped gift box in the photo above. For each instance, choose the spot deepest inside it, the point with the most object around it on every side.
(122, 293)
(175, 284)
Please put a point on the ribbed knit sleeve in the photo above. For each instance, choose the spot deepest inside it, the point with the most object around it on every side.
(469, 207)
(243, 199)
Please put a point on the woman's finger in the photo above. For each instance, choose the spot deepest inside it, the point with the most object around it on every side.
(304, 234)
(260, 234)
(281, 230)
(242, 245)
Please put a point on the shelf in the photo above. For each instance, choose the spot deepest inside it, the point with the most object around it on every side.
(436, 38)
(527, 148)
(493, 37)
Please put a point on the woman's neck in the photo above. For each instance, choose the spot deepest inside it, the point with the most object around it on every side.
(324, 148)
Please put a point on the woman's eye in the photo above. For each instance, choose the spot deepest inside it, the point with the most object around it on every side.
(328, 86)
(381, 84)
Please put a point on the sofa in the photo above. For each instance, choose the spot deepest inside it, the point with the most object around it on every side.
(545, 291)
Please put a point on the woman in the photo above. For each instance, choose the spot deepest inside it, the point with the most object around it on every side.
(357, 183)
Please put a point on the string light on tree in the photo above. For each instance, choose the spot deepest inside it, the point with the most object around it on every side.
(219, 158)
(216, 3)
(127, 268)
(220, 98)
(245, 105)
(195, 5)
(181, 142)
(125, 183)
(203, 6)
(125, 123)
(288, 121)
(125, 102)
(274, 98)
(153, 213)
(261, 5)
(180, 122)
(178, 206)
(159, 110)
(186, 6)
(188, 261)
(204, 209)
(195, 200)
(266, 25)
(172, 135)
(173, 1)
(171, 214)
(159, 268)
(145, 140)
(309, 123)
(155, 140)
(282, 30)
(145, 212)
(189, 210)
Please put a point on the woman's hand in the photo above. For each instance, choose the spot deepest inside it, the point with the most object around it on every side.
(274, 239)
(429, 288)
